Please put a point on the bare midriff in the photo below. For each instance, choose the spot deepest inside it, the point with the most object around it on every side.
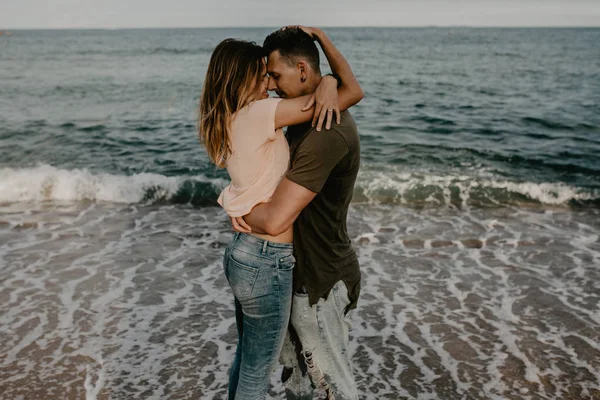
(285, 237)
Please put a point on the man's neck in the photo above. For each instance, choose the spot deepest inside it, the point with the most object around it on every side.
(313, 83)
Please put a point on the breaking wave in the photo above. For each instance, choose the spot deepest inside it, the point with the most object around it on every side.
(47, 183)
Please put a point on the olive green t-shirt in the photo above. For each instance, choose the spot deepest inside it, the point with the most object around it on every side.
(326, 163)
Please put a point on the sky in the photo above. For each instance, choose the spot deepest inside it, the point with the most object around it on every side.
(57, 14)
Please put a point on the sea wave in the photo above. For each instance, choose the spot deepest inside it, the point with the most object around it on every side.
(48, 183)
(465, 190)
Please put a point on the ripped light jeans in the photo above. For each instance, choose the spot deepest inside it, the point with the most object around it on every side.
(260, 275)
(316, 358)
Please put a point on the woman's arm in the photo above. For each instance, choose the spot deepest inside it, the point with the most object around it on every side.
(328, 98)
(349, 91)
(301, 109)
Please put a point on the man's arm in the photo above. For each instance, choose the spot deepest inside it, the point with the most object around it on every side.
(312, 163)
(276, 216)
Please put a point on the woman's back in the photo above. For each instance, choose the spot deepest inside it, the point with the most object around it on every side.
(259, 157)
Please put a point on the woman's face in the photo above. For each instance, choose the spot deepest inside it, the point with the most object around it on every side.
(261, 90)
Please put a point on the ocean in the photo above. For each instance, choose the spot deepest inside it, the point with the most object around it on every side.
(476, 215)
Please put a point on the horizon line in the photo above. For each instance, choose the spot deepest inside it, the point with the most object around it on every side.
(7, 29)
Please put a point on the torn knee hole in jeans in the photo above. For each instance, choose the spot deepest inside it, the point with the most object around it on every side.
(316, 375)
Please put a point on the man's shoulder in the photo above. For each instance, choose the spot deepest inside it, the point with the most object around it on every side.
(346, 129)
(347, 121)
(346, 124)
(304, 138)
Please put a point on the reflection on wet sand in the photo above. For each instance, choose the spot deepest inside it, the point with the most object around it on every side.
(129, 302)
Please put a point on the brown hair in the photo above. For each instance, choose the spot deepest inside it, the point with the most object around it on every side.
(293, 43)
(234, 71)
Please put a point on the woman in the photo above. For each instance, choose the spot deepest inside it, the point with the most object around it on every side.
(242, 131)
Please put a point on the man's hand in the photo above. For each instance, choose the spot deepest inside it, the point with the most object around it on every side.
(239, 225)
(325, 100)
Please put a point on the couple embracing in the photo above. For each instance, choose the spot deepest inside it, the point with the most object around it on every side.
(290, 264)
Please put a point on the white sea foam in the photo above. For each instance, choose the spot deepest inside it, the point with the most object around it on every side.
(118, 300)
(409, 187)
(92, 390)
(47, 183)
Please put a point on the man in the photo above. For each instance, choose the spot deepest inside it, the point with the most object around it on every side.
(315, 193)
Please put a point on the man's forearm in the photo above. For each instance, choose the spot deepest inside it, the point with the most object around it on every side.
(276, 216)
(267, 218)
(256, 219)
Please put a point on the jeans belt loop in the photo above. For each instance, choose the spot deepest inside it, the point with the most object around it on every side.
(264, 249)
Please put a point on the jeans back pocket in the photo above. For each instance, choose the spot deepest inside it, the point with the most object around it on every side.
(241, 278)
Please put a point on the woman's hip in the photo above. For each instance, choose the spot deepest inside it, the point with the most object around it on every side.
(257, 268)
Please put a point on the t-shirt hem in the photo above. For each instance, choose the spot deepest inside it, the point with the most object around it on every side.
(313, 298)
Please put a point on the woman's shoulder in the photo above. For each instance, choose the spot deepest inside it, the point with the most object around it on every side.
(269, 102)
(258, 109)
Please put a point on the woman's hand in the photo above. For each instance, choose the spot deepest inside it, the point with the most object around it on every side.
(325, 100)
(239, 225)
(312, 32)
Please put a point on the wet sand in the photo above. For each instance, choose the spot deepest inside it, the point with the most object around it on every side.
(108, 301)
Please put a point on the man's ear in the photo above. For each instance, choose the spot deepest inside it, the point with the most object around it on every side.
(303, 69)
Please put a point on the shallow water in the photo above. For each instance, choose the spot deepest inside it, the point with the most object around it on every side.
(107, 301)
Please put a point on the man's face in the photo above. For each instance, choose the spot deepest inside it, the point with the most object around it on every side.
(284, 78)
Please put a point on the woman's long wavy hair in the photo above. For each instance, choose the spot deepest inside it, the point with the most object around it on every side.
(234, 73)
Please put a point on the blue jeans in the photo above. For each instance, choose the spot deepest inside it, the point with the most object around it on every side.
(260, 275)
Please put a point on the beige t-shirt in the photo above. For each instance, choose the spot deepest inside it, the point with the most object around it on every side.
(260, 158)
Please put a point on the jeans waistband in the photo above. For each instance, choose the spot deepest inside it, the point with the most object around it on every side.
(261, 244)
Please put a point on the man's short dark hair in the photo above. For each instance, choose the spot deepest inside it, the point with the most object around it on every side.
(292, 44)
